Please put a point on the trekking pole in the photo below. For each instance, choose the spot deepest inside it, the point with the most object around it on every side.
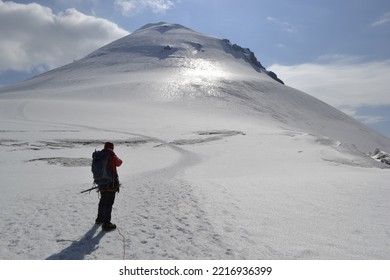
(89, 189)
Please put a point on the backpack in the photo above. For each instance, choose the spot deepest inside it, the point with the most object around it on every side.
(100, 168)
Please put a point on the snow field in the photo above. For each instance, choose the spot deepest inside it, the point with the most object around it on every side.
(294, 199)
(257, 193)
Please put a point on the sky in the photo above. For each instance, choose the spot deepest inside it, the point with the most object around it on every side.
(335, 50)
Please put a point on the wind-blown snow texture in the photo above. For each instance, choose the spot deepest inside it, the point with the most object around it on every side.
(221, 161)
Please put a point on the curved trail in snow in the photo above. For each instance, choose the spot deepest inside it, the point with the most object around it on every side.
(159, 214)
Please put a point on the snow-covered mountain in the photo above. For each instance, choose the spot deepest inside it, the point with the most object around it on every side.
(168, 62)
(221, 159)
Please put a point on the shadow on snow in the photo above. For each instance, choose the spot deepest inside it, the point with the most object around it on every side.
(81, 248)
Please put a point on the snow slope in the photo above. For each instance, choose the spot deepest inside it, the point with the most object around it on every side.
(221, 161)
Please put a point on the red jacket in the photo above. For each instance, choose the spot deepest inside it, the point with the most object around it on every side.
(114, 161)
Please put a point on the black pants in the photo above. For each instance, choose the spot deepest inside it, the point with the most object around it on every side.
(105, 206)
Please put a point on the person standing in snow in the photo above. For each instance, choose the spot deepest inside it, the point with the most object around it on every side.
(107, 192)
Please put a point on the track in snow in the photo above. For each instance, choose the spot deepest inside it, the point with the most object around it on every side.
(159, 215)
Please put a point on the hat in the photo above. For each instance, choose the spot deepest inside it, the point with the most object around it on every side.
(109, 145)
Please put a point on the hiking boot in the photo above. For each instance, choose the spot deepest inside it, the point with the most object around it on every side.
(98, 221)
(108, 227)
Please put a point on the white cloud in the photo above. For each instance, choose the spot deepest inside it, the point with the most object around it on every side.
(382, 20)
(367, 119)
(130, 7)
(344, 82)
(280, 45)
(34, 37)
(286, 26)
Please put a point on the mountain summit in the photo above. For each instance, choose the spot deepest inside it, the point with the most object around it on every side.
(171, 48)
(173, 45)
